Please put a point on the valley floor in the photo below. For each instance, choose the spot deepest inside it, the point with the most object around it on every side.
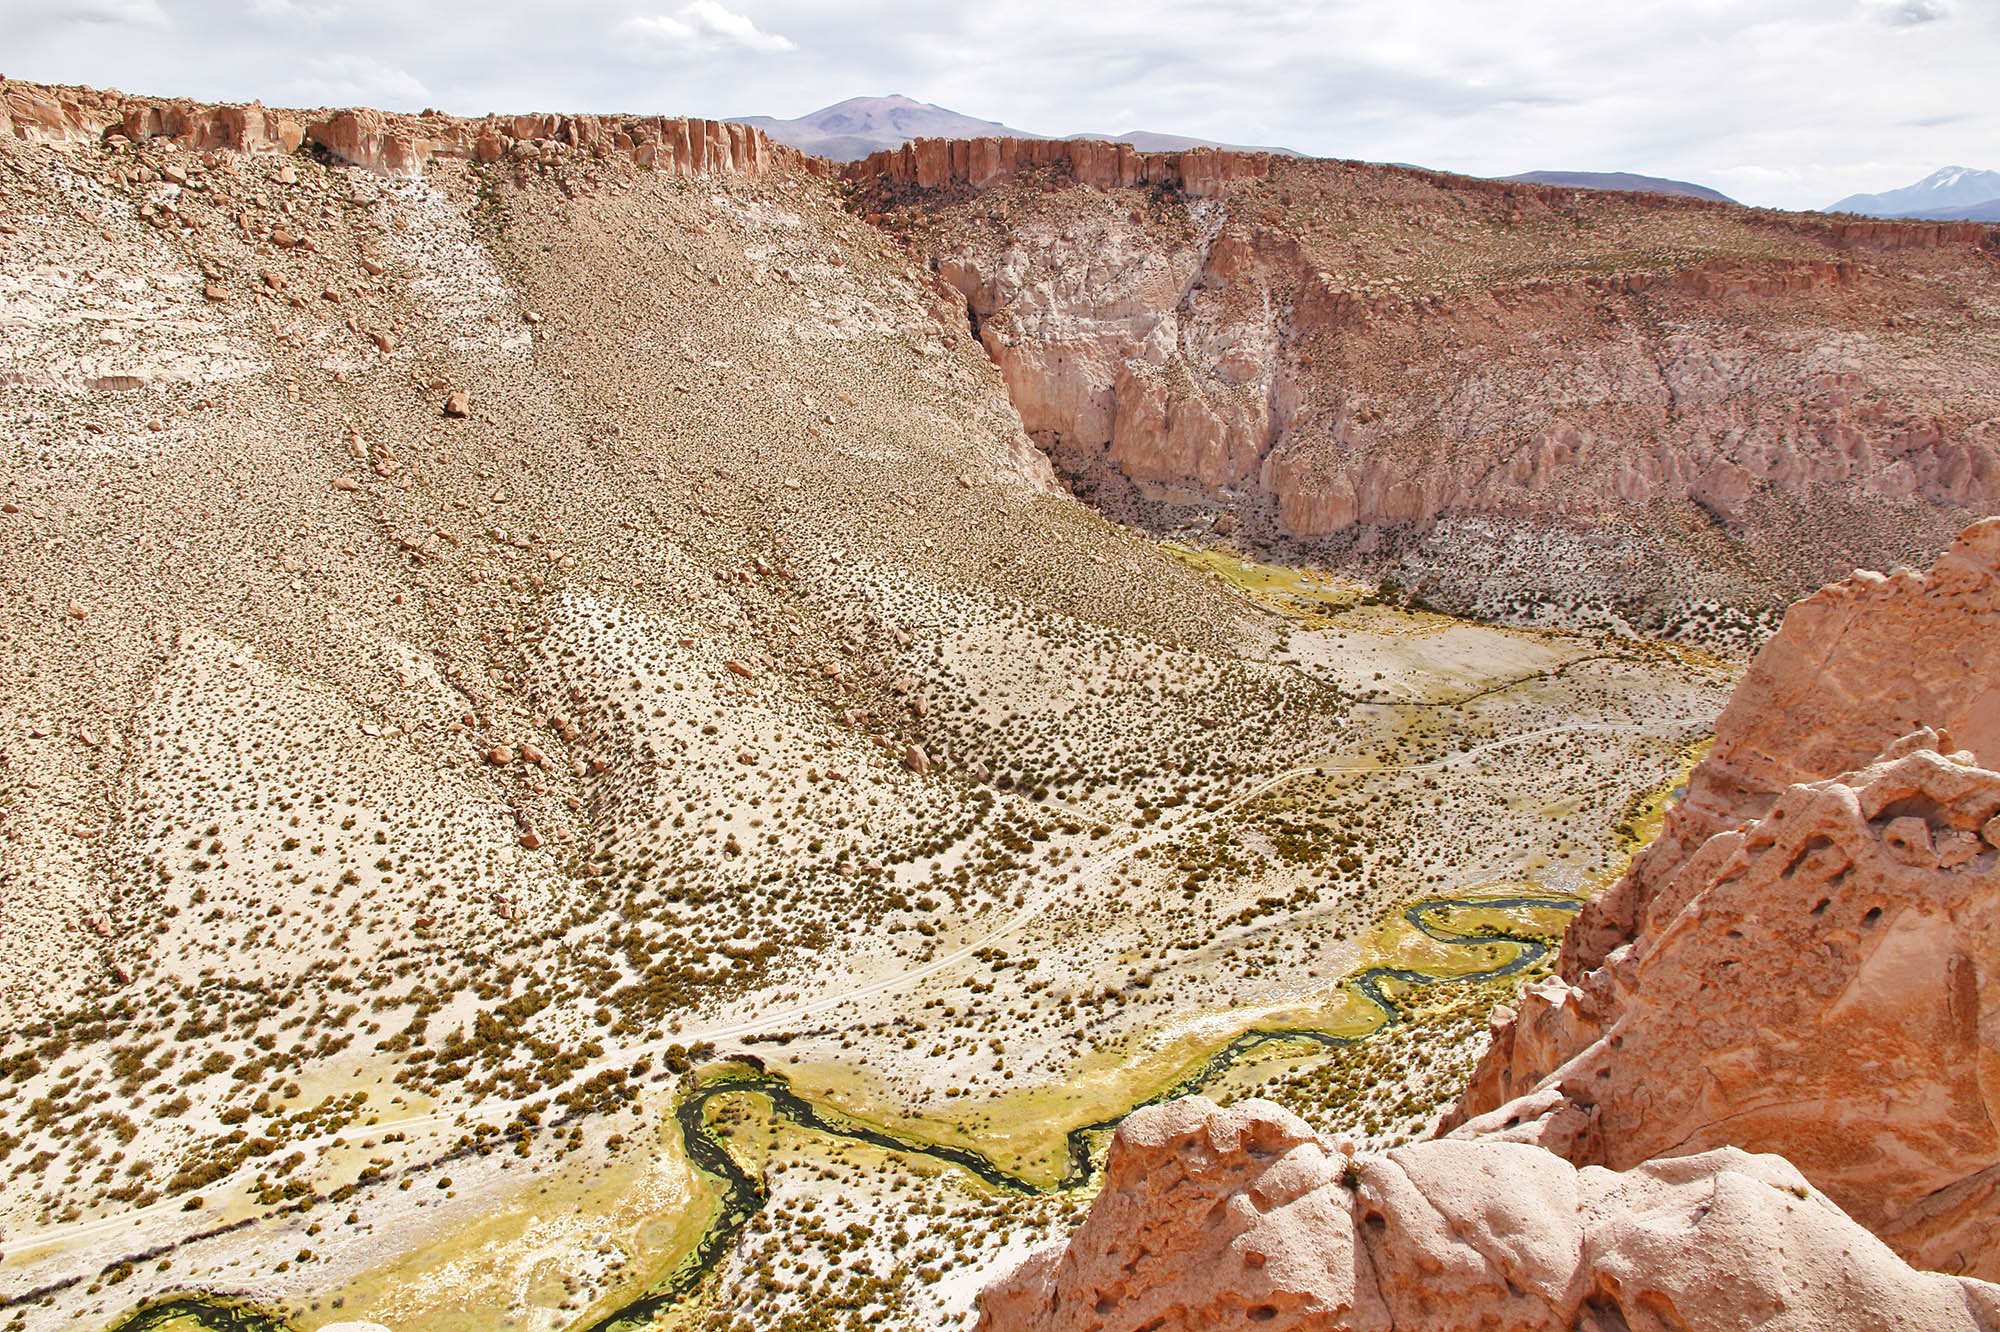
(1471, 762)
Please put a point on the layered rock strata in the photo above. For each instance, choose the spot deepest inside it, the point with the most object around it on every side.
(1350, 356)
(943, 163)
(388, 142)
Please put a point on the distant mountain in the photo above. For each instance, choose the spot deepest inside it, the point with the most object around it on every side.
(1979, 212)
(1620, 180)
(1148, 142)
(859, 126)
(1943, 195)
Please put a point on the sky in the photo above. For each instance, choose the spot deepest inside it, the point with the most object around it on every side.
(1789, 103)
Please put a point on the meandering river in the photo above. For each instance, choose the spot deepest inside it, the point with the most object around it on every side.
(743, 1194)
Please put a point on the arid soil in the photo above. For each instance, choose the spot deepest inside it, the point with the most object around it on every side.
(510, 619)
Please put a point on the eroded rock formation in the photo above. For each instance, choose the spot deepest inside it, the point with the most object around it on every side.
(1215, 1219)
(1855, 666)
(386, 141)
(1805, 961)
(944, 163)
(1819, 984)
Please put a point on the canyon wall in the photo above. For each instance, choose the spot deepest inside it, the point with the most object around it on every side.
(386, 141)
(931, 164)
(1348, 357)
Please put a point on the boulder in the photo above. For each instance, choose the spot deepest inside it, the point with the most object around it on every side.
(1214, 1219)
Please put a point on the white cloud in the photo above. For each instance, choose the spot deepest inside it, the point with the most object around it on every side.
(1908, 13)
(111, 13)
(1787, 102)
(355, 80)
(704, 26)
(291, 11)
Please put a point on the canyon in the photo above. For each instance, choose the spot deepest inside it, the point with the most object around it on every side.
(1449, 379)
(606, 720)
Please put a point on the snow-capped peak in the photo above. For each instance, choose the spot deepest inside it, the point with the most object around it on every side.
(1945, 177)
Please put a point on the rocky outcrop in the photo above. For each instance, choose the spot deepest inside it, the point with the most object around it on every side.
(936, 164)
(1894, 234)
(386, 142)
(1823, 984)
(37, 114)
(1228, 366)
(1855, 666)
(389, 142)
(1214, 1219)
(1807, 960)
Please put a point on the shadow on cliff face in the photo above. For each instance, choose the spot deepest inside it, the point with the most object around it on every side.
(1538, 404)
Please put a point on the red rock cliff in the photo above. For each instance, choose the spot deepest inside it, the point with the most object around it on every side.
(386, 141)
(1345, 354)
(933, 164)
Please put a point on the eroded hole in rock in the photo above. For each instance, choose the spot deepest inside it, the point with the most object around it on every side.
(1600, 1313)
(1914, 807)
(1814, 845)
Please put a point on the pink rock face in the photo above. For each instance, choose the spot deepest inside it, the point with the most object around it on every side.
(1807, 960)
(944, 163)
(1326, 350)
(1212, 1220)
(1823, 984)
(1855, 666)
(41, 114)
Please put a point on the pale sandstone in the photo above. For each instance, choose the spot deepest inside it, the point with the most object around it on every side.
(1173, 367)
(1804, 961)
(1216, 1219)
